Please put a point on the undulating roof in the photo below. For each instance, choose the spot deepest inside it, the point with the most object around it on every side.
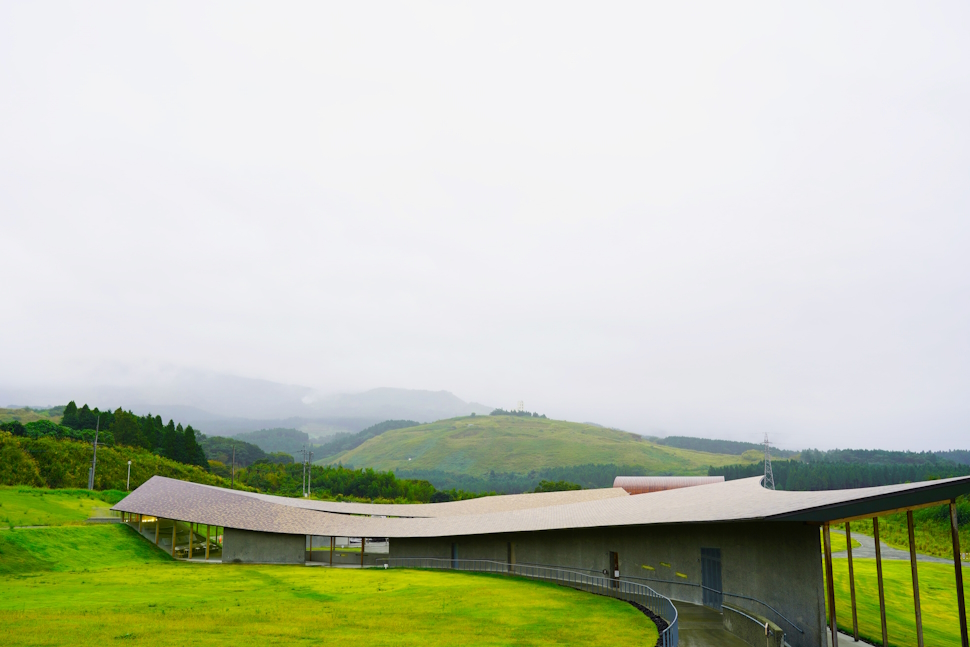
(731, 501)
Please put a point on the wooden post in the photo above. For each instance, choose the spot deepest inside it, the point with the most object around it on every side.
(158, 524)
(174, 528)
(912, 562)
(828, 571)
(333, 540)
(207, 533)
(882, 594)
(961, 602)
(191, 537)
(363, 542)
(848, 545)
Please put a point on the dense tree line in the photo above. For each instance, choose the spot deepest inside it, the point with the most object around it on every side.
(874, 456)
(524, 414)
(557, 486)
(149, 432)
(712, 446)
(343, 442)
(220, 449)
(336, 481)
(961, 456)
(278, 439)
(587, 476)
(795, 475)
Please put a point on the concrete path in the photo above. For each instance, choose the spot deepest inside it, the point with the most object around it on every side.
(868, 551)
(700, 626)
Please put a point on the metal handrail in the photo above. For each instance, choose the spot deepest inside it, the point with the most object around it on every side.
(733, 595)
(640, 594)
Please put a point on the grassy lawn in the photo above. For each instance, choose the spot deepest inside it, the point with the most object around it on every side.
(937, 599)
(30, 506)
(838, 542)
(97, 585)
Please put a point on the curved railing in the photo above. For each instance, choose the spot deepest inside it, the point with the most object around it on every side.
(640, 594)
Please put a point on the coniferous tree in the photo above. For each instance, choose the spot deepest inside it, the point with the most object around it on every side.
(70, 416)
(169, 444)
(86, 418)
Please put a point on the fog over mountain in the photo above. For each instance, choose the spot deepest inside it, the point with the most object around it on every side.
(704, 219)
(219, 404)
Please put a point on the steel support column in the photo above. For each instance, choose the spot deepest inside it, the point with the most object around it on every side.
(912, 563)
(882, 593)
(855, 618)
(833, 627)
(958, 567)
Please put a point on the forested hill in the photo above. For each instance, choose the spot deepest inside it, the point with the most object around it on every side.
(795, 475)
(479, 445)
(715, 446)
(117, 427)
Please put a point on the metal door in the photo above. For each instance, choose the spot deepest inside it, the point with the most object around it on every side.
(711, 577)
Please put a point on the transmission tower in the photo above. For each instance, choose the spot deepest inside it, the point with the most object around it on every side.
(769, 477)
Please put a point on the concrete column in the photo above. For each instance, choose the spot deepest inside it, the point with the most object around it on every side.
(882, 593)
(961, 603)
(831, 592)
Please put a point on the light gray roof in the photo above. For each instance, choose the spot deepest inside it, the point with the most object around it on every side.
(731, 501)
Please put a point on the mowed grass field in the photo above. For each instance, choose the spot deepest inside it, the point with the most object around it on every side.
(938, 601)
(104, 585)
(838, 543)
(477, 444)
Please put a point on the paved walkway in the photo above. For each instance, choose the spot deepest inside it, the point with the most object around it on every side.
(703, 627)
(868, 551)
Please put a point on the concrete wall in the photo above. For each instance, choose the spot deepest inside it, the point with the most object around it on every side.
(779, 563)
(752, 631)
(249, 547)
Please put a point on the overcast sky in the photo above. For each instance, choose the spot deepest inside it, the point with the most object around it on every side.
(710, 219)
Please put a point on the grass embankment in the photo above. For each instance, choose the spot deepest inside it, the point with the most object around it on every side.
(479, 444)
(31, 506)
(931, 529)
(101, 584)
(938, 601)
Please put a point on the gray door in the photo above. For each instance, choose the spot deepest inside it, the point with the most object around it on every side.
(711, 577)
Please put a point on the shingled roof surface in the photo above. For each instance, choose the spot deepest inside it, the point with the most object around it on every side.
(731, 501)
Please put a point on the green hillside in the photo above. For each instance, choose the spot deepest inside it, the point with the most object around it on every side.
(26, 414)
(476, 445)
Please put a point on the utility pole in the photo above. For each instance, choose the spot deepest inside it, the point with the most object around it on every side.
(309, 474)
(303, 483)
(232, 480)
(769, 476)
(94, 459)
